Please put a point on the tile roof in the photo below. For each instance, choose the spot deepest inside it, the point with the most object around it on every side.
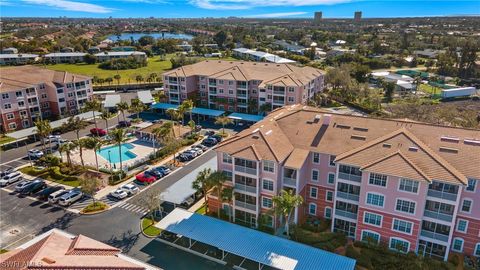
(15, 78)
(397, 147)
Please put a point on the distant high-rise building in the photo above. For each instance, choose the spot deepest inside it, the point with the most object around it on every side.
(318, 17)
(358, 15)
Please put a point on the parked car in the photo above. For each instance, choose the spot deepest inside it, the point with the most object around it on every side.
(98, 132)
(131, 189)
(145, 178)
(217, 137)
(198, 128)
(192, 152)
(184, 158)
(201, 146)
(163, 169)
(53, 138)
(28, 185)
(53, 198)
(21, 185)
(187, 202)
(119, 194)
(34, 187)
(209, 132)
(198, 150)
(43, 195)
(35, 154)
(71, 197)
(189, 155)
(6, 171)
(209, 142)
(10, 178)
(122, 124)
(154, 173)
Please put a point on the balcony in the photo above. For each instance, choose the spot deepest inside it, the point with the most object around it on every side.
(348, 196)
(245, 188)
(278, 92)
(242, 95)
(35, 103)
(174, 98)
(175, 82)
(350, 177)
(248, 170)
(437, 215)
(289, 181)
(442, 195)
(245, 205)
(432, 235)
(173, 89)
(346, 214)
(82, 96)
(31, 94)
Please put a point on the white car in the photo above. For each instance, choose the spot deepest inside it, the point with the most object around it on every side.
(35, 154)
(53, 138)
(131, 189)
(198, 150)
(53, 198)
(192, 152)
(70, 197)
(10, 178)
(6, 171)
(119, 194)
(21, 185)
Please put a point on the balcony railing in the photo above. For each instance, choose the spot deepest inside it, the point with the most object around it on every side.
(31, 94)
(442, 195)
(350, 177)
(35, 103)
(173, 98)
(245, 169)
(241, 95)
(289, 181)
(246, 205)
(346, 214)
(245, 188)
(432, 235)
(81, 96)
(212, 92)
(173, 89)
(437, 215)
(348, 196)
(275, 92)
(172, 82)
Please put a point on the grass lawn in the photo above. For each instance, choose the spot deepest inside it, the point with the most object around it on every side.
(426, 88)
(5, 139)
(149, 229)
(51, 176)
(202, 210)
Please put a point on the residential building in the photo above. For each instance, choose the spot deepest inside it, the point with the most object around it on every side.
(242, 86)
(357, 15)
(65, 57)
(107, 56)
(29, 92)
(247, 54)
(57, 249)
(403, 84)
(317, 17)
(15, 59)
(411, 185)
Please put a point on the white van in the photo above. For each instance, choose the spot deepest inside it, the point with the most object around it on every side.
(53, 198)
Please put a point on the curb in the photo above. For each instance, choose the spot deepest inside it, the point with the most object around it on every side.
(141, 230)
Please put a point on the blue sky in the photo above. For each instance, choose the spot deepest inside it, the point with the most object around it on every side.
(239, 8)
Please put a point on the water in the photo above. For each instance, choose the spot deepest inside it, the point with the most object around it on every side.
(115, 154)
(136, 36)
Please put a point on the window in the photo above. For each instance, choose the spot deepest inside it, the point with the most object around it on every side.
(331, 178)
(399, 244)
(312, 209)
(61, 100)
(332, 161)
(43, 96)
(315, 175)
(476, 251)
(7, 106)
(267, 184)
(60, 91)
(472, 183)
(5, 96)
(268, 166)
(462, 225)
(267, 202)
(466, 205)
(291, 89)
(230, 82)
(220, 90)
(10, 116)
(316, 158)
(229, 175)
(12, 125)
(405, 206)
(402, 226)
(457, 244)
(46, 105)
(220, 81)
(70, 94)
(329, 196)
(408, 185)
(227, 158)
(375, 199)
(291, 99)
(230, 91)
(369, 236)
(372, 219)
(18, 94)
(42, 86)
(313, 192)
(378, 179)
(21, 104)
(328, 212)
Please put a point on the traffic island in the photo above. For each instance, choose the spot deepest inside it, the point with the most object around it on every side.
(148, 228)
(94, 208)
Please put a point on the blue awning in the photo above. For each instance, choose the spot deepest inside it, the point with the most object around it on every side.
(164, 106)
(246, 117)
(254, 245)
(208, 112)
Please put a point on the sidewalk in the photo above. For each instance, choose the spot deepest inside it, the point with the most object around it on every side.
(197, 205)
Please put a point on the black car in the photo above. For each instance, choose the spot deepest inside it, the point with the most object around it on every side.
(183, 158)
(155, 173)
(209, 142)
(33, 187)
(217, 137)
(43, 195)
(209, 133)
(124, 124)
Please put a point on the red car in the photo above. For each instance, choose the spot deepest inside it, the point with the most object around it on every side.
(98, 132)
(145, 178)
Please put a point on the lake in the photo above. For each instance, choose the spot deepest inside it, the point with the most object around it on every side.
(136, 36)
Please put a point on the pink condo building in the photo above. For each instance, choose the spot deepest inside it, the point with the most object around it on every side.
(242, 86)
(410, 185)
(28, 92)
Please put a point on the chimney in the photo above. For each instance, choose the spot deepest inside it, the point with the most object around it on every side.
(326, 119)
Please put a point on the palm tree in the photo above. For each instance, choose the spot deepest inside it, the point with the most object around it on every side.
(95, 144)
(192, 125)
(227, 196)
(187, 106)
(43, 130)
(217, 179)
(284, 204)
(175, 116)
(118, 136)
(77, 124)
(139, 78)
(118, 78)
(106, 114)
(137, 107)
(67, 148)
(181, 112)
(202, 184)
(122, 107)
(223, 120)
(93, 105)
(160, 96)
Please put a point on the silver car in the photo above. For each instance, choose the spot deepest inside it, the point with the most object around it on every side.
(10, 178)
(70, 198)
(131, 189)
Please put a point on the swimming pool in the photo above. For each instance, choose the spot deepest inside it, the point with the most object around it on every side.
(115, 154)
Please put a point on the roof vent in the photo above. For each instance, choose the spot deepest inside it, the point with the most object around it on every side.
(255, 130)
(387, 145)
(255, 137)
(471, 142)
(268, 132)
(413, 148)
(326, 119)
(358, 137)
(360, 129)
(449, 139)
(48, 260)
(448, 150)
(343, 126)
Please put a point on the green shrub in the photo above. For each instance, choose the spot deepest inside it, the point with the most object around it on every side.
(97, 206)
(49, 160)
(32, 171)
(454, 259)
(352, 253)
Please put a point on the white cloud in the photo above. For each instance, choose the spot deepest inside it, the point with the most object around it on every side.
(276, 15)
(71, 5)
(146, 1)
(247, 4)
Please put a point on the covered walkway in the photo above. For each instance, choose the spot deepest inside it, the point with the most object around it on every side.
(245, 117)
(207, 112)
(164, 106)
(243, 247)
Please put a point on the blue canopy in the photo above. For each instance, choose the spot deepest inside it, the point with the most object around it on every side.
(246, 117)
(208, 112)
(164, 106)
